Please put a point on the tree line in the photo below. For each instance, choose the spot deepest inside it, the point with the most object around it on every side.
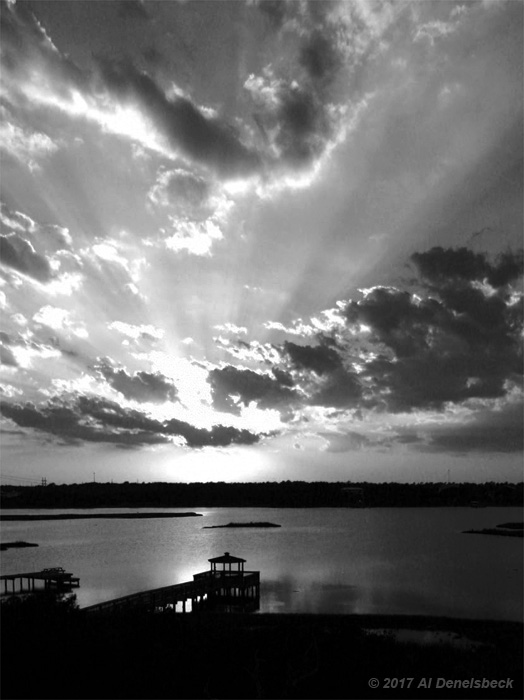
(283, 494)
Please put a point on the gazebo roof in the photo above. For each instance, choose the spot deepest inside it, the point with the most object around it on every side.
(226, 558)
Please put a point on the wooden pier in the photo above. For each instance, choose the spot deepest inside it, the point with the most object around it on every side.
(226, 586)
(53, 578)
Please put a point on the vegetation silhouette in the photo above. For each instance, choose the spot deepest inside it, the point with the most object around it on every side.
(50, 649)
(283, 494)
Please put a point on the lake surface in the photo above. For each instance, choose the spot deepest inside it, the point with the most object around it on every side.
(323, 560)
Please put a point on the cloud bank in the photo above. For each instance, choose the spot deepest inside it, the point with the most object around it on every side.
(453, 345)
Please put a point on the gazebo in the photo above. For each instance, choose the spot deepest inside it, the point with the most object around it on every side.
(226, 585)
(227, 561)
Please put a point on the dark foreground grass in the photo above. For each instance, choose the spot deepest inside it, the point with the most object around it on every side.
(63, 653)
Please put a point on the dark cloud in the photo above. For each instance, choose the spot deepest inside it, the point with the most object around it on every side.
(282, 377)
(17, 253)
(229, 383)
(40, 251)
(321, 358)
(487, 431)
(331, 385)
(186, 192)
(188, 187)
(72, 426)
(462, 341)
(207, 140)
(153, 56)
(6, 354)
(274, 10)
(218, 436)
(320, 57)
(301, 125)
(308, 16)
(396, 318)
(340, 389)
(456, 342)
(93, 419)
(7, 357)
(297, 123)
(345, 442)
(508, 269)
(295, 114)
(430, 382)
(133, 9)
(443, 267)
(140, 386)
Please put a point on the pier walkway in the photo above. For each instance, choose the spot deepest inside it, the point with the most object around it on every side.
(228, 586)
(56, 577)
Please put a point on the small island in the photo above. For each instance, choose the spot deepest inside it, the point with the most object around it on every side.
(504, 530)
(250, 524)
(19, 543)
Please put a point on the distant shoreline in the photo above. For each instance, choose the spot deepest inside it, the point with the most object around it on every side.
(97, 516)
(269, 494)
(252, 524)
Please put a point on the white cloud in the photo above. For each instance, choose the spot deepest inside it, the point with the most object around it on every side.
(24, 355)
(431, 31)
(249, 352)
(19, 319)
(66, 284)
(143, 331)
(109, 251)
(106, 251)
(298, 327)
(16, 220)
(195, 238)
(85, 384)
(23, 145)
(231, 328)
(60, 320)
(10, 391)
(325, 322)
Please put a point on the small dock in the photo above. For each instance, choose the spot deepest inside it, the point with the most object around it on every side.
(53, 578)
(226, 585)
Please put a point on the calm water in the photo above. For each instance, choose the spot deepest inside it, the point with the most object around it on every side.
(380, 560)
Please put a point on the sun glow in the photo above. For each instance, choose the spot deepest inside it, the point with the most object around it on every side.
(212, 464)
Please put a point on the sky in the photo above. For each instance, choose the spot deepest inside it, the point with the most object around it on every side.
(252, 241)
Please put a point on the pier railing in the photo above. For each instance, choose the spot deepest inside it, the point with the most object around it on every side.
(207, 587)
